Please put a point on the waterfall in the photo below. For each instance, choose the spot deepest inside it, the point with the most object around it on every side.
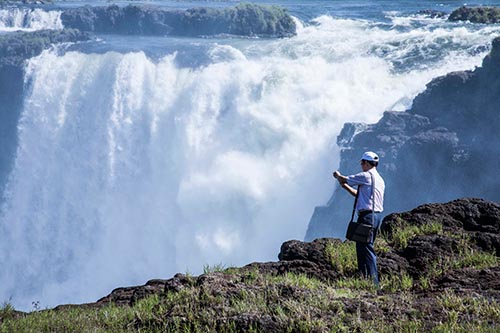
(28, 19)
(130, 168)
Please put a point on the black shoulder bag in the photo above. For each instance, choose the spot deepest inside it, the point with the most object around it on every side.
(361, 232)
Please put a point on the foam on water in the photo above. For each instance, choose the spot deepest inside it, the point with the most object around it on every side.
(129, 169)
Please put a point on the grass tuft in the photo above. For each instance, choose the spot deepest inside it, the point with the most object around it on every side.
(342, 256)
(404, 232)
(396, 283)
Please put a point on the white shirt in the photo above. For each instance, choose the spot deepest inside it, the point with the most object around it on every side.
(364, 180)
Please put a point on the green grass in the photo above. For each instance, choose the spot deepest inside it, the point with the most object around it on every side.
(215, 268)
(295, 280)
(403, 232)
(342, 256)
(355, 283)
(396, 282)
(467, 257)
(314, 306)
(473, 258)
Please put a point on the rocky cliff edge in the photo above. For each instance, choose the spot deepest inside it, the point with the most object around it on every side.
(439, 268)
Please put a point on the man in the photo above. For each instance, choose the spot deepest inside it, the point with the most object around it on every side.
(366, 208)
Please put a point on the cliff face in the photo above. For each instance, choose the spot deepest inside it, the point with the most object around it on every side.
(445, 146)
(242, 20)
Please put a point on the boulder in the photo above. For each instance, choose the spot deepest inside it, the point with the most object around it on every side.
(485, 15)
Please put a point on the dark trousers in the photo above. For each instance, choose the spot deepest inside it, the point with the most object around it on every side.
(367, 259)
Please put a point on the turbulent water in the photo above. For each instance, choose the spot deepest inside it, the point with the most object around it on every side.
(140, 157)
(29, 19)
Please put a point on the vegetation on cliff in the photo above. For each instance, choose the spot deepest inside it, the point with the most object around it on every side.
(18, 46)
(440, 272)
(242, 20)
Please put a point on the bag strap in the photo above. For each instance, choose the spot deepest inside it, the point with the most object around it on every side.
(354, 207)
(373, 198)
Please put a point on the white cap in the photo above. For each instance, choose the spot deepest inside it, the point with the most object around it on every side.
(370, 156)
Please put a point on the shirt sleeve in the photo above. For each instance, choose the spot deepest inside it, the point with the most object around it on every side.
(361, 178)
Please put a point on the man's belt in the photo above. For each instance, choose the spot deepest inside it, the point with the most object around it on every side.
(366, 211)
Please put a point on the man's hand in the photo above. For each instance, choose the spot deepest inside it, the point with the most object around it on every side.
(343, 182)
(341, 178)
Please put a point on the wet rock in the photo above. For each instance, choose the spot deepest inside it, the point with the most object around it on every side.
(485, 15)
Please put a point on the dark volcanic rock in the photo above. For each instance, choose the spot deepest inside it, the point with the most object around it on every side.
(297, 250)
(301, 258)
(424, 250)
(446, 146)
(130, 295)
(474, 219)
(473, 279)
(242, 20)
(476, 14)
(390, 263)
(467, 214)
